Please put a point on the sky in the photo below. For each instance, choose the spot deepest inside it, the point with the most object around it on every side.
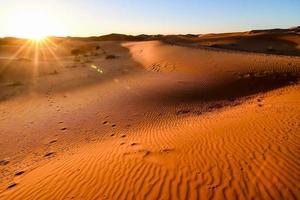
(98, 17)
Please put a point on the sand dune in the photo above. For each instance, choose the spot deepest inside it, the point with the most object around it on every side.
(273, 41)
(160, 122)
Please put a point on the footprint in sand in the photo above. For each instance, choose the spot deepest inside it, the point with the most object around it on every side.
(212, 187)
(49, 154)
(159, 157)
(128, 126)
(19, 173)
(52, 141)
(166, 150)
(3, 162)
(11, 185)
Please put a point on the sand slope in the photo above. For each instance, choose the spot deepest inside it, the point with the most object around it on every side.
(210, 124)
(272, 41)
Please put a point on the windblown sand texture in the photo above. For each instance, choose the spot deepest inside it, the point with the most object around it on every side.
(157, 121)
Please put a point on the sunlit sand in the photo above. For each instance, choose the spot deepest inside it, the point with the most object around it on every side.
(153, 121)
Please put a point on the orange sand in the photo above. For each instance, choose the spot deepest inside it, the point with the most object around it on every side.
(159, 122)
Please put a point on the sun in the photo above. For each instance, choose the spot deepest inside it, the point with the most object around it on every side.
(37, 37)
(33, 24)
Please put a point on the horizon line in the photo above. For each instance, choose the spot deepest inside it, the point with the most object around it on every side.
(157, 34)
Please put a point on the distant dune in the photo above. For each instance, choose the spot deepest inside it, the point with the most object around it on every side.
(272, 41)
(269, 41)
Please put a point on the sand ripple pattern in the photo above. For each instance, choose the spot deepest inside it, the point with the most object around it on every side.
(219, 155)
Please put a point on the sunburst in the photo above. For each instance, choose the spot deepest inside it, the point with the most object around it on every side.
(35, 24)
(36, 50)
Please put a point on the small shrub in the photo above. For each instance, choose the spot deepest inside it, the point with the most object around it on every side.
(75, 52)
(111, 56)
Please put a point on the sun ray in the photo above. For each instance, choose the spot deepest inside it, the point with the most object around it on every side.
(20, 50)
(29, 50)
(42, 50)
(15, 55)
(36, 61)
(51, 51)
(48, 40)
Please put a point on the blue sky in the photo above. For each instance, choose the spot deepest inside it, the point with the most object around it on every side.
(96, 17)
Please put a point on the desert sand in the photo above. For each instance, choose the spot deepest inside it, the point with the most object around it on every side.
(148, 120)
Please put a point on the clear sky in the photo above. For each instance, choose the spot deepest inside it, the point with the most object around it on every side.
(97, 17)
